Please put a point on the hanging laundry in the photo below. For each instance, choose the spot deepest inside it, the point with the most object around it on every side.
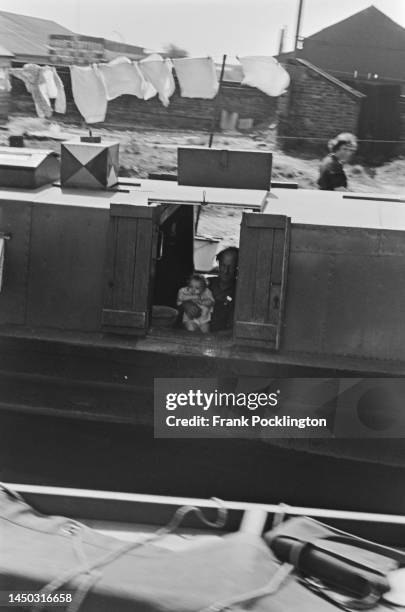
(48, 87)
(60, 100)
(89, 92)
(197, 77)
(5, 84)
(121, 76)
(266, 74)
(33, 77)
(149, 91)
(159, 73)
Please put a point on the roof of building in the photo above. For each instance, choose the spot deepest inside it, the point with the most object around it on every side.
(325, 75)
(27, 36)
(115, 49)
(365, 44)
(5, 52)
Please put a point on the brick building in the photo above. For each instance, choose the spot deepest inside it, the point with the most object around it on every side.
(367, 52)
(316, 107)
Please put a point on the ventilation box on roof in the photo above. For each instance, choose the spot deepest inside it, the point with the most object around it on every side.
(89, 163)
(27, 168)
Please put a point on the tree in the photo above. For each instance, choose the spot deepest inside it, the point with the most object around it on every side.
(172, 50)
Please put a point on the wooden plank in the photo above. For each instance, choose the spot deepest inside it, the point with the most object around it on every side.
(262, 279)
(126, 210)
(16, 220)
(255, 331)
(123, 318)
(264, 221)
(66, 267)
(142, 266)
(130, 271)
(248, 253)
(263, 274)
(125, 249)
(109, 264)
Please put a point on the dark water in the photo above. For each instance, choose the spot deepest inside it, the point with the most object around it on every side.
(63, 452)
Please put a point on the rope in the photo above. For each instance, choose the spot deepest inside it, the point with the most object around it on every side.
(92, 570)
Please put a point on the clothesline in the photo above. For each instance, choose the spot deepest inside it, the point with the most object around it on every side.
(95, 85)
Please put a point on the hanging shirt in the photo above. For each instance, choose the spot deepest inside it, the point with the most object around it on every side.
(121, 76)
(159, 73)
(197, 77)
(266, 74)
(32, 76)
(52, 88)
(5, 84)
(48, 87)
(60, 100)
(89, 92)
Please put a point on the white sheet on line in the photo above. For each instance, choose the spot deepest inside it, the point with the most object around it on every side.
(265, 73)
(121, 76)
(158, 72)
(197, 77)
(89, 93)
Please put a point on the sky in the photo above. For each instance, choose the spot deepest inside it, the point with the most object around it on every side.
(202, 27)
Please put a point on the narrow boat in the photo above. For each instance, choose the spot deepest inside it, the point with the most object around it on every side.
(87, 255)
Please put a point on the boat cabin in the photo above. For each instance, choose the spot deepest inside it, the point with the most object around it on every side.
(319, 279)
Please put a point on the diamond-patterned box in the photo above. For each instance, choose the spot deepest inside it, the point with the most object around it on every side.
(89, 165)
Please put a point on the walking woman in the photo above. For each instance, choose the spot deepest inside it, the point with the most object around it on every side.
(332, 176)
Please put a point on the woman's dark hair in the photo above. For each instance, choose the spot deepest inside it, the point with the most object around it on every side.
(231, 249)
(345, 139)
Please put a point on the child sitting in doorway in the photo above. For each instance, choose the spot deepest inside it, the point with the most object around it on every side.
(198, 293)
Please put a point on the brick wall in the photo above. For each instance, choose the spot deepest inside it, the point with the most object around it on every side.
(316, 108)
(188, 113)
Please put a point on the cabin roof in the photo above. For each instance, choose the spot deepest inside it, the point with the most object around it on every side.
(139, 192)
(339, 209)
(304, 206)
(16, 157)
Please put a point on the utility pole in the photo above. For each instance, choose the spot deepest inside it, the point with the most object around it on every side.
(282, 38)
(297, 32)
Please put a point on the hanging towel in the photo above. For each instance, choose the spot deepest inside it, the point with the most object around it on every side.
(149, 91)
(60, 100)
(48, 87)
(33, 77)
(159, 73)
(266, 74)
(2, 252)
(89, 92)
(197, 77)
(5, 84)
(121, 76)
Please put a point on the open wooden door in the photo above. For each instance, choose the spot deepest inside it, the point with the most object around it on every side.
(262, 280)
(130, 268)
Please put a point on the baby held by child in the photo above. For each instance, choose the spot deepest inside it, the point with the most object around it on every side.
(198, 293)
